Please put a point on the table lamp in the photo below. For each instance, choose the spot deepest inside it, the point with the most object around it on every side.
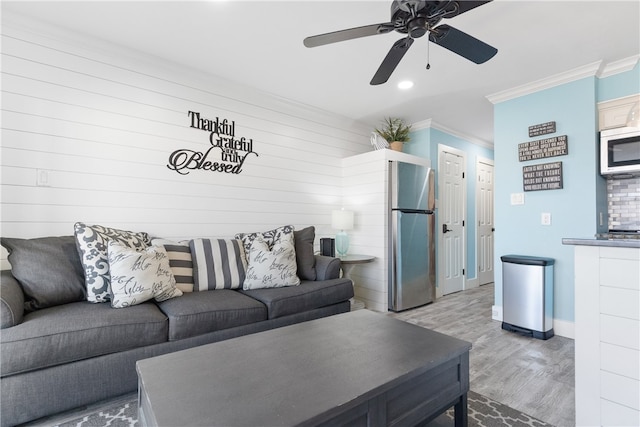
(342, 220)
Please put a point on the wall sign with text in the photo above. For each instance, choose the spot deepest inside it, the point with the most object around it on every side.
(543, 148)
(545, 176)
(542, 129)
(226, 154)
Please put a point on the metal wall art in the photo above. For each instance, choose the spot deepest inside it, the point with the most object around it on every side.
(229, 157)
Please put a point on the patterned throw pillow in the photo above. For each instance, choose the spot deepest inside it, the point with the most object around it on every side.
(273, 267)
(92, 243)
(217, 264)
(180, 261)
(269, 237)
(139, 275)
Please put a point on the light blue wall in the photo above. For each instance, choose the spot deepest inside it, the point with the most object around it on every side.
(575, 208)
(619, 85)
(424, 143)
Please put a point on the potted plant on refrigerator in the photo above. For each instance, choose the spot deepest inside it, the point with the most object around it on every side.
(395, 131)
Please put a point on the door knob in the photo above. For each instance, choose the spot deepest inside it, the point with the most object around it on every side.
(445, 229)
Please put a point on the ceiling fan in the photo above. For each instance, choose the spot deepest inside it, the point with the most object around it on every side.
(416, 18)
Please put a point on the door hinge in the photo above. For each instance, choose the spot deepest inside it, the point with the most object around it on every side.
(463, 271)
(463, 223)
(462, 175)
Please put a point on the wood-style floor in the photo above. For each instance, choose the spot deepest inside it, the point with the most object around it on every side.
(533, 376)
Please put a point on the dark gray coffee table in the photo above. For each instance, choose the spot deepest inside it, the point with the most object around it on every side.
(358, 368)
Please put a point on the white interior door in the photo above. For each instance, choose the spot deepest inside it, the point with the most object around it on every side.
(451, 214)
(484, 198)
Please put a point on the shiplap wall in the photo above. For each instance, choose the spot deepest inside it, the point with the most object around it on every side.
(98, 122)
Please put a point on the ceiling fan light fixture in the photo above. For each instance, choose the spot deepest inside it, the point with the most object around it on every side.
(405, 84)
(415, 18)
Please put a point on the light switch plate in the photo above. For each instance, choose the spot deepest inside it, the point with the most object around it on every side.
(517, 198)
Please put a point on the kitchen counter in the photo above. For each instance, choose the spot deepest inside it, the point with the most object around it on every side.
(613, 243)
(607, 331)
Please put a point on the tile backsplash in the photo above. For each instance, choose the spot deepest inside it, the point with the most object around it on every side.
(624, 203)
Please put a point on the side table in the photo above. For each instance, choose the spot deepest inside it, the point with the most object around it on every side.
(347, 262)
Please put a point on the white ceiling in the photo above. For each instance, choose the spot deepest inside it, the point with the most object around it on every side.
(259, 44)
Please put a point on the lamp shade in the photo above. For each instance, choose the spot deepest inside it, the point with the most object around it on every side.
(342, 220)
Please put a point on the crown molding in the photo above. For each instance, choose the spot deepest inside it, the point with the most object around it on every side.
(422, 124)
(429, 123)
(616, 67)
(588, 70)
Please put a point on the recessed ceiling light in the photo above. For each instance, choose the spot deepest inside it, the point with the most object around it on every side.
(405, 84)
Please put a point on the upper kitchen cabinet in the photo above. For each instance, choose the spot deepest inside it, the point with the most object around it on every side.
(619, 112)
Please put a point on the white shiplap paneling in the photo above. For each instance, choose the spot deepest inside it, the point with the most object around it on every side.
(100, 122)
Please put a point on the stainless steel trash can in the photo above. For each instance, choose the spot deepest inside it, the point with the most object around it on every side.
(527, 295)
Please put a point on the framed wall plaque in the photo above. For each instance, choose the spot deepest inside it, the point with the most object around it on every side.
(542, 129)
(545, 176)
(543, 148)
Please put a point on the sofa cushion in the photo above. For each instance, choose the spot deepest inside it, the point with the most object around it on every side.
(48, 269)
(77, 331)
(11, 301)
(197, 313)
(139, 275)
(217, 264)
(270, 236)
(308, 296)
(271, 267)
(180, 261)
(305, 257)
(92, 246)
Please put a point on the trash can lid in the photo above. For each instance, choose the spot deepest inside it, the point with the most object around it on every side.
(527, 260)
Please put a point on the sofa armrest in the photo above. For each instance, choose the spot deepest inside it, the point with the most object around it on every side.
(11, 301)
(327, 267)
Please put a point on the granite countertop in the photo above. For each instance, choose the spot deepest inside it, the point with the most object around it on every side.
(614, 243)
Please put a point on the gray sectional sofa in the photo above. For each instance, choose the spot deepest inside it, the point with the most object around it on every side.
(70, 354)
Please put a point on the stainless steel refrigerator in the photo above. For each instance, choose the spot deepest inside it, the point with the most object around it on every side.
(411, 235)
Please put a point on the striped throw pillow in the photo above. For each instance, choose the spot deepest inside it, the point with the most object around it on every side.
(180, 262)
(217, 264)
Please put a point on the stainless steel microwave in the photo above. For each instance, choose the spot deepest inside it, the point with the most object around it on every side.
(620, 152)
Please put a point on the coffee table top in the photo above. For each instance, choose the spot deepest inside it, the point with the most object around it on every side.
(292, 374)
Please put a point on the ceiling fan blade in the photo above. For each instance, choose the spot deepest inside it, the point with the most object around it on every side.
(465, 6)
(462, 43)
(351, 33)
(392, 60)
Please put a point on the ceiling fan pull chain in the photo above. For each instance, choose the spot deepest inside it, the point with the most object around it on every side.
(428, 43)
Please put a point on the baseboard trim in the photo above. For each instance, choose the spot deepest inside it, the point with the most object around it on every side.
(496, 313)
(564, 328)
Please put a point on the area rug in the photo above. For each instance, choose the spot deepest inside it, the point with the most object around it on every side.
(483, 412)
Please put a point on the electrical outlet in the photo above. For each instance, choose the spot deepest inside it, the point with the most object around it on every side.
(545, 218)
(42, 178)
